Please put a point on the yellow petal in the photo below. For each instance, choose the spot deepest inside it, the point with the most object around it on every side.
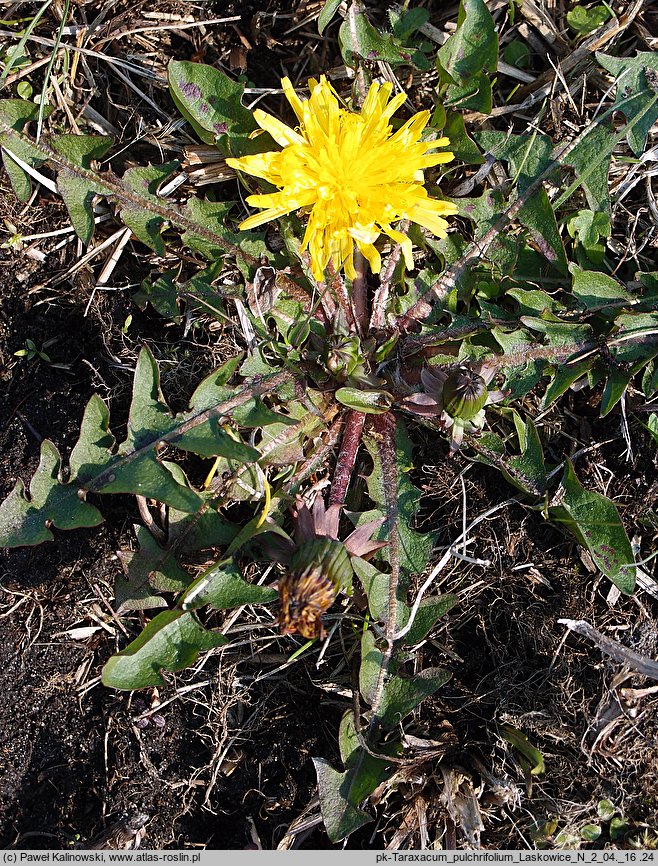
(293, 99)
(355, 176)
(405, 243)
(280, 132)
(371, 253)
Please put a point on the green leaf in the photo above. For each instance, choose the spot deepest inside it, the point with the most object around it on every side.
(517, 53)
(590, 832)
(590, 159)
(637, 92)
(415, 548)
(161, 294)
(615, 385)
(594, 289)
(406, 23)
(26, 521)
(563, 377)
(461, 144)
(17, 113)
(209, 440)
(222, 587)
(526, 471)
(149, 566)
(587, 227)
(141, 472)
(474, 94)
(359, 41)
(605, 810)
(370, 771)
(95, 445)
(212, 215)
(520, 742)
(252, 413)
(370, 402)
(528, 156)
(342, 793)
(78, 196)
(530, 463)
(538, 217)
(134, 468)
(212, 103)
(618, 828)
(399, 696)
(584, 21)
(473, 47)
(522, 372)
(81, 149)
(145, 225)
(652, 426)
(595, 522)
(201, 530)
(484, 212)
(340, 817)
(20, 180)
(326, 15)
(172, 640)
(431, 609)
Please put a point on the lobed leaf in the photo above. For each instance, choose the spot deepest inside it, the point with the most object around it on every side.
(414, 548)
(135, 467)
(359, 41)
(26, 520)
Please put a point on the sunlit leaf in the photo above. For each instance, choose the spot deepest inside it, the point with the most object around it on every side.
(171, 641)
(595, 522)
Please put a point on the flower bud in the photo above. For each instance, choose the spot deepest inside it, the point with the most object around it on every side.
(464, 393)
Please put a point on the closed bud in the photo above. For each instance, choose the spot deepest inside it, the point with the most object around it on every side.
(464, 393)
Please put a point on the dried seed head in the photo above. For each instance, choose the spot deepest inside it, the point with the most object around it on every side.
(318, 569)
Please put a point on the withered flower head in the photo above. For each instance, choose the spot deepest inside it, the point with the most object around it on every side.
(318, 566)
(456, 396)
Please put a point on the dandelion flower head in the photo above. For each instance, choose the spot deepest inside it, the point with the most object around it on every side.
(353, 175)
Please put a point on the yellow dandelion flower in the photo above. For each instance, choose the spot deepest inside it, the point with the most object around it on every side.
(351, 172)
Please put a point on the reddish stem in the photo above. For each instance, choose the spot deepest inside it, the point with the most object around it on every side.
(360, 293)
(346, 456)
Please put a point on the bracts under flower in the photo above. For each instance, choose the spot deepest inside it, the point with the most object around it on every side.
(319, 566)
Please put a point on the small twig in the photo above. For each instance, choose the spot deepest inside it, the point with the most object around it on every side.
(175, 25)
(644, 665)
(145, 513)
(40, 178)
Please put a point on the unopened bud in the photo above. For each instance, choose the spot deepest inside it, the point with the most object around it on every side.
(464, 393)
